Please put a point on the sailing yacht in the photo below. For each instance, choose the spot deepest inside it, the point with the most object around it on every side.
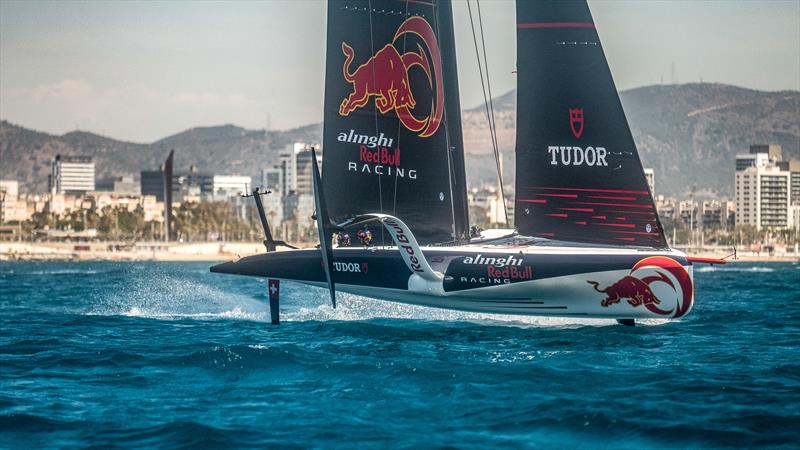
(588, 241)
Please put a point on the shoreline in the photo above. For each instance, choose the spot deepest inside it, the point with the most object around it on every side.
(220, 251)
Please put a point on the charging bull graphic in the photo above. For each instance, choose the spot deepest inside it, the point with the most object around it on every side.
(637, 287)
(635, 290)
(385, 76)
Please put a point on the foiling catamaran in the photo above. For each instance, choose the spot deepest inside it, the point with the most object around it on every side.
(588, 241)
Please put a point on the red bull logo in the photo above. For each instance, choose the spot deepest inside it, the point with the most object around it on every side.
(384, 77)
(638, 287)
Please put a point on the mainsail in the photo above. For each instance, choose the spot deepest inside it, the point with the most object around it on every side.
(579, 177)
(392, 132)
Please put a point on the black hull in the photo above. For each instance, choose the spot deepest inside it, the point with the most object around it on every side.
(576, 282)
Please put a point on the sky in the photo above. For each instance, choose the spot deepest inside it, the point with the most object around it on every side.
(140, 71)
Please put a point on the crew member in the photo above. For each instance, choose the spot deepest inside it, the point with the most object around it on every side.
(366, 237)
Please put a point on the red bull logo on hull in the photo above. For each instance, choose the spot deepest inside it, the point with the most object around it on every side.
(639, 287)
(384, 77)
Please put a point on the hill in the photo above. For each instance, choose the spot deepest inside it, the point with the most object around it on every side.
(688, 133)
(25, 154)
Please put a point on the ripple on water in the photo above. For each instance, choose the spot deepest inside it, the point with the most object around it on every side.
(169, 355)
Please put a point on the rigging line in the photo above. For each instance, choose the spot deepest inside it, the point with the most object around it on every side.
(493, 123)
(488, 114)
(375, 111)
(448, 148)
(396, 178)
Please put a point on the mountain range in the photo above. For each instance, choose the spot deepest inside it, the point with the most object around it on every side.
(689, 133)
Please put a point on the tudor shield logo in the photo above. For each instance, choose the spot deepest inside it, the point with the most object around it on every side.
(385, 77)
(576, 121)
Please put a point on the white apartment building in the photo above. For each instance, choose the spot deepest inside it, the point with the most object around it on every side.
(763, 189)
(72, 174)
(231, 185)
(10, 208)
(490, 199)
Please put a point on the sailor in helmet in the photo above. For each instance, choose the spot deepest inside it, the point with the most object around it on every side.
(343, 239)
(365, 236)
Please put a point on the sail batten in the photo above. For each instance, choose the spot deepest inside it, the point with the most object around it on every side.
(579, 176)
(392, 134)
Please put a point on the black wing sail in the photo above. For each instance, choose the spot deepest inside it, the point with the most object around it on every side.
(392, 132)
(579, 177)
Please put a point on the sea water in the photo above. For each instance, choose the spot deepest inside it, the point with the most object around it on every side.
(135, 354)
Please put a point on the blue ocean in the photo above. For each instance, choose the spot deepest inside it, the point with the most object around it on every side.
(168, 355)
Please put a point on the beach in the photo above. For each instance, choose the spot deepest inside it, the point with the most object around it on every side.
(225, 251)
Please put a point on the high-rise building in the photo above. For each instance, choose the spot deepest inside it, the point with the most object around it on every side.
(124, 185)
(271, 180)
(292, 174)
(717, 213)
(794, 170)
(152, 183)
(773, 151)
(72, 174)
(763, 189)
(9, 191)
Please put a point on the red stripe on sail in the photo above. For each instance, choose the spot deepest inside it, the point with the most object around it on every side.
(617, 191)
(633, 212)
(556, 215)
(533, 200)
(623, 205)
(611, 197)
(579, 210)
(634, 232)
(556, 25)
(624, 225)
(559, 195)
(625, 239)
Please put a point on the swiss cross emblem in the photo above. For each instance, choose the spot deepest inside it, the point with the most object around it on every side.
(274, 288)
(576, 121)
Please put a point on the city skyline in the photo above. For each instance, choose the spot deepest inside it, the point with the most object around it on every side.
(140, 72)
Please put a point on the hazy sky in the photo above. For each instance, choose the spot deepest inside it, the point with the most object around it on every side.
(140, 71)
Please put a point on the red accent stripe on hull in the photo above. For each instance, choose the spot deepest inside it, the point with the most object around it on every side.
(700, 260)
